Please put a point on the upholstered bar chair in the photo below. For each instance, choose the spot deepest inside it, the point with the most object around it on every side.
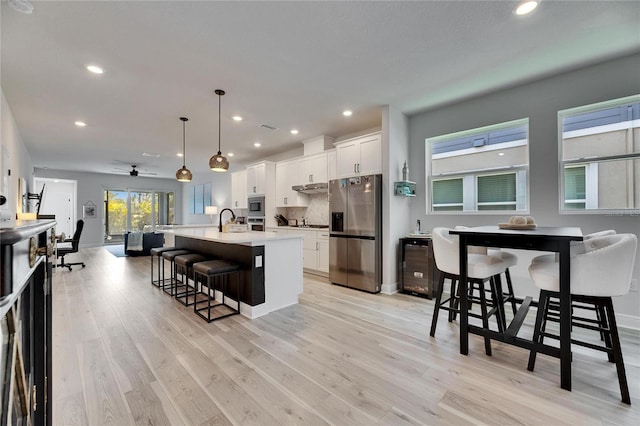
(510, 261)
(481, 269)
(601, 268)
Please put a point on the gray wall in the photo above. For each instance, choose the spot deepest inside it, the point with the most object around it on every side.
(220, 196)
(91, 187)
(14, 159)
(540, 101)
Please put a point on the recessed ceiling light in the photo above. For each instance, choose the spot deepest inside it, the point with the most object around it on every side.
(501, 154)
(80, 123)
(237, 118)
(294, 132)
(229, 154)
(347, 113)
(179, 154)
(22, 6)
(95, 69)
(525, 7)
(257, 144)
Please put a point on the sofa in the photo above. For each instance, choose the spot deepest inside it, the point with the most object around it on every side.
(149, 240)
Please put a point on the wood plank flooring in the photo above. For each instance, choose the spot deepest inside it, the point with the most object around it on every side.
(125, 353)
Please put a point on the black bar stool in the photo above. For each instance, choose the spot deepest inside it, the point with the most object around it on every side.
(158, 253)
(173, 281)
(184, 262)
(215, 274)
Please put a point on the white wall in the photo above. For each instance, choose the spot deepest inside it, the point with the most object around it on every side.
(540, 101)
(91, 187)
(16, 160)
(395, 210)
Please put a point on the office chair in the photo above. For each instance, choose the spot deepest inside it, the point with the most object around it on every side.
(75, 241)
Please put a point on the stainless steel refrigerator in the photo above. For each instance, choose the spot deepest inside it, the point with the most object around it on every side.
(355, 238)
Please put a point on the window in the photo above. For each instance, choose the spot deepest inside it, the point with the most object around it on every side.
(600, 157)
(479, 170)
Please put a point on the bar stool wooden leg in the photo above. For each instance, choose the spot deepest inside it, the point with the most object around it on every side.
(617, 351)
(539, 327)
(436, 307)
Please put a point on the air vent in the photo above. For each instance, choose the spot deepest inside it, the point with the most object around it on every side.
(150, 154)
(266, 126)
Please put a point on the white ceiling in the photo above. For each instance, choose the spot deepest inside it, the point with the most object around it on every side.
(286, 64)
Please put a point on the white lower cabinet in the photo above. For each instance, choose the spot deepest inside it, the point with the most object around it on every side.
(309, 248)
(323, 251)
(315, 247)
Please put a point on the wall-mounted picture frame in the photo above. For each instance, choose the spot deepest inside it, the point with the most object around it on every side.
(89, 211)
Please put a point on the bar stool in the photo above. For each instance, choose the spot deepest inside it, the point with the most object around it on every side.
(215, 274)
(481, 268)
(510, 261)
(601, 268)
(183, 264)
(157, 251)
(173, 281)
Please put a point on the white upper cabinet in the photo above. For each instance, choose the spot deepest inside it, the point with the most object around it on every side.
(286, 178)
(332, 171)
(312, 169)
(256, 179)
(359, 156)
(239, 190)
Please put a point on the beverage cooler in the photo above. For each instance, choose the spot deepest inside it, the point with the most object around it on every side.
(419, 273)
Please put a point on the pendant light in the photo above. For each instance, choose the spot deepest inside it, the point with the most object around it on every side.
(183, 174)
(218, 163)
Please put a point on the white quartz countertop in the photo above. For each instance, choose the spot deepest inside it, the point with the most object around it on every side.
(249, 238)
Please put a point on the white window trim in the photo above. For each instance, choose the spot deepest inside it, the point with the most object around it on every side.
(522, 180)
(470, 193)
(591, 173)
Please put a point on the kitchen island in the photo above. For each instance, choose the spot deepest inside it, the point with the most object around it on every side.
(271, 263)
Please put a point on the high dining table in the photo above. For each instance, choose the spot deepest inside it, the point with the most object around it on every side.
(554, 239)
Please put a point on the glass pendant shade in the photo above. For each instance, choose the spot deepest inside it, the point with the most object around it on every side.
(218, 162)
(183, 174)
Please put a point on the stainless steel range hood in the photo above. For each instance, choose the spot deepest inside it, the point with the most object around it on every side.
(312, 188)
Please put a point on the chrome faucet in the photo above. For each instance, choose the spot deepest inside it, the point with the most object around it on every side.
(233, 217)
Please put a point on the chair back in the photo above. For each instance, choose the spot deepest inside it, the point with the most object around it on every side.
(75, 241)
(605, 266)
(446, 250)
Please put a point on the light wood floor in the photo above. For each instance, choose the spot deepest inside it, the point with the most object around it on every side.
(126, 353)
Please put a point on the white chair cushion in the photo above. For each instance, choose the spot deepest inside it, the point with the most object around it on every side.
(508, 258)
(447, 255)
(602, 266)
(576, 247)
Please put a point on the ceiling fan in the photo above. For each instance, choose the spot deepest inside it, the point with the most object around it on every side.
(135, 171)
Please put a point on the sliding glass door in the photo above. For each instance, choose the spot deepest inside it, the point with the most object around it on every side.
(131, 210)
(116, 212)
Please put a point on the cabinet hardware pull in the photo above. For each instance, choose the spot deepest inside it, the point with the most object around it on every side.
(35, 399)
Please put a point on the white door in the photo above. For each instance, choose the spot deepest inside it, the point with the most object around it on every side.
(348, 155)
(59, 203)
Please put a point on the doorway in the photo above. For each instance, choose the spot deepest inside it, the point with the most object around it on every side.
(59, 199)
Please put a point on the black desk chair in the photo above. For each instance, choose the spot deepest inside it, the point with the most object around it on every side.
(75, 241)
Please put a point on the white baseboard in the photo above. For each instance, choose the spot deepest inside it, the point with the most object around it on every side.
(389, 288)
(628, 321)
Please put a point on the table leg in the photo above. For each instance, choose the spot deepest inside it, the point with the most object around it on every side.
(565, 316)
(464, 313)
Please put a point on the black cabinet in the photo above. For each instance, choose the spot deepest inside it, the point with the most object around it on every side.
(25, 322)
(418, 274)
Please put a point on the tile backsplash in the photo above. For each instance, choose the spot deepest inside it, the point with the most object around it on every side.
(317, 213)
